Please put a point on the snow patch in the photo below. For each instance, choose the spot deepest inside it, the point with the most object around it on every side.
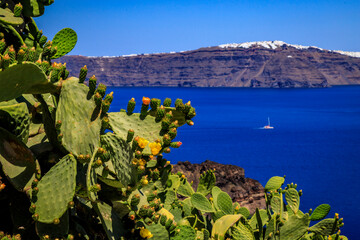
(265, 44)
(351, 54)
(277, 44)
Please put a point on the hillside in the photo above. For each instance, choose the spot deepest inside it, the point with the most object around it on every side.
(272, 64)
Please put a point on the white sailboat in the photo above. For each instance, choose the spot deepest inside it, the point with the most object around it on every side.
(268, 126)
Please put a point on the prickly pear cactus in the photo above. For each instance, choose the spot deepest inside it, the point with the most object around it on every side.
(72, 170)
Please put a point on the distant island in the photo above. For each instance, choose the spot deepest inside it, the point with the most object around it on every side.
(268, 64)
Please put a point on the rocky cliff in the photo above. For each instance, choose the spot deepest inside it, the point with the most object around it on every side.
(272, 64)
(231, 179)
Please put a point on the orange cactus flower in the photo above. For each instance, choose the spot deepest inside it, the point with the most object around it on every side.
(146, 100)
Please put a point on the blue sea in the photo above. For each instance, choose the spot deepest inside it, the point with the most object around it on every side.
(315, 141)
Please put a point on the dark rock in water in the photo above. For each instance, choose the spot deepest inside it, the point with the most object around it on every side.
(231, 179)
(272, 64)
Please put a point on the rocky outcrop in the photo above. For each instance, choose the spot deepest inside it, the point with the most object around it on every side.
(284, 66)
(231, 179)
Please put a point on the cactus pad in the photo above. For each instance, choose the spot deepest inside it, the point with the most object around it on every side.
(325, 227)
(275, 204)
(80, 119)
(241, 232)
(65, 40)
(293, 199)
(184, 232)
(223, 202)
(200, 202)
(16, 119)
(120, 156)
(7, 17)
(17, 160)
(158, 231)
(222, 225)
(294, 227)
(206, 182)
(91, 179)
(32, 8)
(145, 128)
(23, 78)
(111, 222)
(320, 212)
(56, 190)
(274, 183)
(185, 188)
(54, 230)
(260, 216)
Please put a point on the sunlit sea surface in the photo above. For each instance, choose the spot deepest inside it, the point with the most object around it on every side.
(315, 141)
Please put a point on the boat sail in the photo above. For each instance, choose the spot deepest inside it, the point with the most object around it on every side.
(268, 126)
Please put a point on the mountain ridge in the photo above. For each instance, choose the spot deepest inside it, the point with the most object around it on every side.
(273, 64)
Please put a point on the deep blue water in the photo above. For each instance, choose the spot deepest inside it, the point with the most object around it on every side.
(315, 143)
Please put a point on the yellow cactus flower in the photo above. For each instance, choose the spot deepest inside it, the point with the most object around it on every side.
(142, 162)
(145, 233)
(155, 148)
(142, 142)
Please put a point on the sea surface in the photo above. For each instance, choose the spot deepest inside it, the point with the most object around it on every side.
(315, 141)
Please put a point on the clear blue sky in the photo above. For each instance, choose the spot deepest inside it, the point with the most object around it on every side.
(118, 27)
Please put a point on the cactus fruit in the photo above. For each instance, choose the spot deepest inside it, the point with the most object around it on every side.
(18, 9)
(82, 74)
